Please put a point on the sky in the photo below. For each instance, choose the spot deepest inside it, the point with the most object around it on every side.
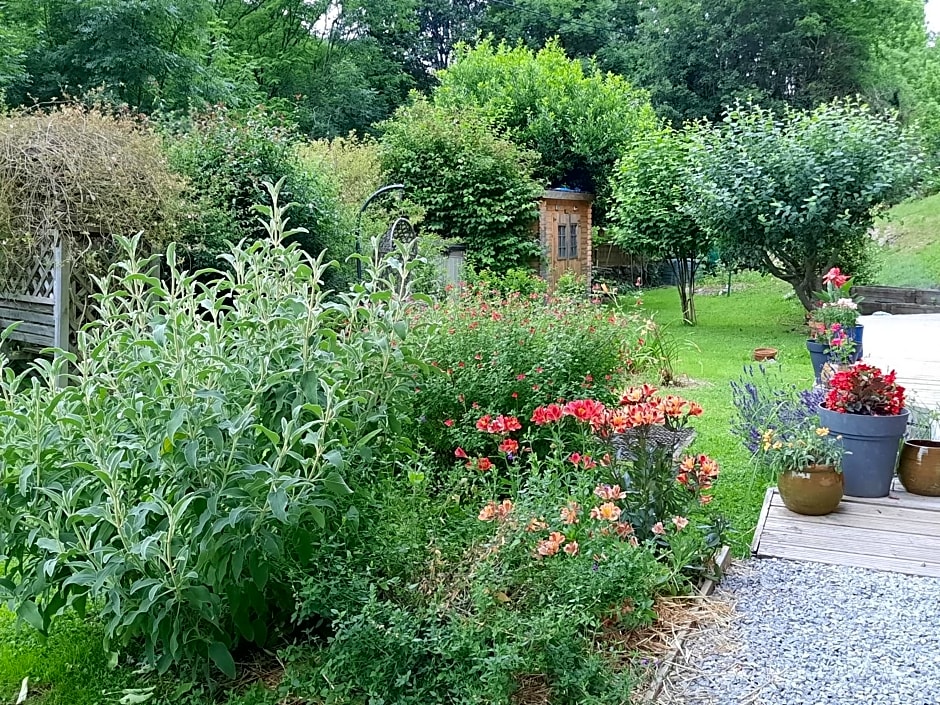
(933, 15)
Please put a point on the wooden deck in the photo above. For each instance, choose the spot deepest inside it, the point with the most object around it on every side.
(899, 533)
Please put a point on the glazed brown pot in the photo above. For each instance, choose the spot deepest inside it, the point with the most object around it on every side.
(812, 491)
(919, 469)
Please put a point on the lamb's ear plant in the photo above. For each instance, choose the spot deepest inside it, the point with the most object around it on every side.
(207, 436)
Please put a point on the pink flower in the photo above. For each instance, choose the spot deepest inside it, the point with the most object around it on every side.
(460, 453)
(658, 528)
(449, 423)
(570, 514)
(606, 512)
(680, 522)
(575, 458)
(572, 548)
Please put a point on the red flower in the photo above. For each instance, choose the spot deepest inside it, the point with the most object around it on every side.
(509, 445)
(484, 464)
(483, 423)
(449, 423)
(585, 410)
(575, 458)
(835, 277)
(520, 377)
(543, 415)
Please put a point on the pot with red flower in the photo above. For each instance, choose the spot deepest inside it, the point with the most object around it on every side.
(807, 462)
(835, 334)
(866, 407)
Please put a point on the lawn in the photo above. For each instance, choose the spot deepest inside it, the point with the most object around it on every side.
(911, 256)
(759, 313)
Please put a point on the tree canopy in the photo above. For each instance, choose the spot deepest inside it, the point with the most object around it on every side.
(800, 192)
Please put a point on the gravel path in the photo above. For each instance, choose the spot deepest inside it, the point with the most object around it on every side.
(815, 634)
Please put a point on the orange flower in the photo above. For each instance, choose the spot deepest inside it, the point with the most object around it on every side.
(688, 464)
(535, 525)
(606, 512)
(484, 464)
(557, 537)
(673, 406)
(680, 522)
(508, 445)
(587, 463)
(624, 529)
(658, 528)
(694, 409)
(503, 510)
(488, 513)
(547, 547)
(572, 548)
(570, 514)
(705, 499)
(619, 421)
(609, 492)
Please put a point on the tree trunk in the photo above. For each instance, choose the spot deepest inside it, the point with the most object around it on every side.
(684, 269)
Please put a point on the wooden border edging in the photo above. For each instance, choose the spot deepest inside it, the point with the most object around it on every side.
(705, 588)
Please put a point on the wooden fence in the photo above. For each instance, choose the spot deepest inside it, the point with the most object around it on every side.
(49, 301)
(897, 300)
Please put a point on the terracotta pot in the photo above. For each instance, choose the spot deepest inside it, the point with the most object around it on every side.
(813, 491)
(919, 469)
(763, 354)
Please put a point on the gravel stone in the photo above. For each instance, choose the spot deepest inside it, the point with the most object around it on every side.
(815, 634)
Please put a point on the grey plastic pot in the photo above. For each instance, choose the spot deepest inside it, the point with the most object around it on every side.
(872, 444)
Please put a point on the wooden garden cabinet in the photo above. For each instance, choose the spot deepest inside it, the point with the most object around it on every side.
(565, 234)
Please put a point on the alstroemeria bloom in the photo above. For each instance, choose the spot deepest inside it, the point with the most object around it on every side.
(680, 522)
(570, 514)
(658, 528)
(606, 512)
(835, 277)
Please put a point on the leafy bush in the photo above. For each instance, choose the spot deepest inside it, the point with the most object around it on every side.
(577, 118)
(227, 156)
(202, 444)
(521, 281)
(474, 185)
(650, 192)
(800, 191)
(490, 354)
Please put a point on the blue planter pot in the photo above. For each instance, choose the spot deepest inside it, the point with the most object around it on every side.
(872, 444)
(818, 355)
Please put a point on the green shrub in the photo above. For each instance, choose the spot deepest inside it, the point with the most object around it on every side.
(519, 281)
(227, 156)
(490, 354)
(474, 185)
(202, 444)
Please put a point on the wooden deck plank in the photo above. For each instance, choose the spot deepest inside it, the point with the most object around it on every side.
(801, 553)
(841, 535)
(858, 521)
(865, 544)
(888, 511)
(900, 534)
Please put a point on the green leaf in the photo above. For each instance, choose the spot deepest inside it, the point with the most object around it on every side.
(336, 485)
(278, 502)
(222, 658)
(29, 613)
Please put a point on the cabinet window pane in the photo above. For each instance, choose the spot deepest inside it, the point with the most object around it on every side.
(573, 247)
(562, 242)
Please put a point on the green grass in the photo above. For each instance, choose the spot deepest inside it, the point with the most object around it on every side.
(913, 256)
(69, 667)
(760, 312)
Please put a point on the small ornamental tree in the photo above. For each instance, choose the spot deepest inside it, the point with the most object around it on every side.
(576, 117)
(799, 191)
(650, 193)
(474, 185)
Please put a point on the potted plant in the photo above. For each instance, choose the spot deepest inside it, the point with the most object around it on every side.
(835, 318)
(919, 469)
(866, 408)
(807, 462)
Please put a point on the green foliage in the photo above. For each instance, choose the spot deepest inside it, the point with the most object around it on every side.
(226, 157)
(507, 356)
(474, 185)
(698, 57)
(576, 117)
(203, 441)
(802, 191)
(651, 190)
(520, 281)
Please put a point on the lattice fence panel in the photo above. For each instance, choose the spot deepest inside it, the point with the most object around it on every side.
(36, 279)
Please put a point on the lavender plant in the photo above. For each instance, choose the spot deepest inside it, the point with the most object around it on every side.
(762, 401)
